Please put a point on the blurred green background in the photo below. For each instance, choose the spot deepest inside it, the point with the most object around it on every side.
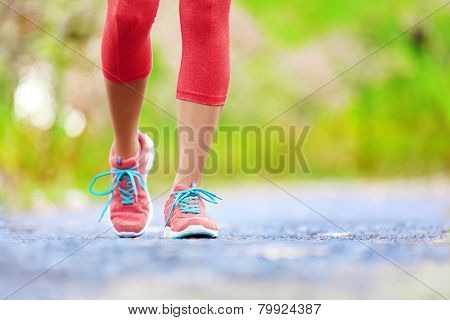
(387, 118)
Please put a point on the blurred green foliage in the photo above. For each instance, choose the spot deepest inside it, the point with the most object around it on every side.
(387, 117)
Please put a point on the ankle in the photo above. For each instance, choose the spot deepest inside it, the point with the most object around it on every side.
(187, 181)
(127, 149)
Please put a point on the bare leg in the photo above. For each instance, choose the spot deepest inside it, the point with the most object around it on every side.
(202, 83)
(125, 103)
(196, 127)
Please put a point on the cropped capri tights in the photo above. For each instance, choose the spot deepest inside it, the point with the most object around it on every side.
(205, 65)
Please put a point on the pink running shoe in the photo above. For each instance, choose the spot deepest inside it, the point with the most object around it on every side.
(130, 205)
(185, 213)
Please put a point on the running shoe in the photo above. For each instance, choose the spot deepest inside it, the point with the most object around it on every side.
(130, 206)
(185, 214)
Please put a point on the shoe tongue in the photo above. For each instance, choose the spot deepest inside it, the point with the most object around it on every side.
(121, 163)
(180, 187)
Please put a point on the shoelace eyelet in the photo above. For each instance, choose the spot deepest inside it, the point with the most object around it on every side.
(128, 195)
(183, 200)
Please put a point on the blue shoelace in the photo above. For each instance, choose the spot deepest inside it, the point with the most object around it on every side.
(129, 194)
(188, 200)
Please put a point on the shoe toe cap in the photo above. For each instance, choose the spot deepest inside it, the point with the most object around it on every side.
(182, 224)
(134, 223)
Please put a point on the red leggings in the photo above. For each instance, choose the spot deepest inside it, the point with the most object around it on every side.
(205, 66)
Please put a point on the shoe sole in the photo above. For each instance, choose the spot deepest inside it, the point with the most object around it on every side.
(151, 158)
(194, 231)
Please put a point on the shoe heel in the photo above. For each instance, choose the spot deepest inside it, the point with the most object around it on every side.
(151, 148)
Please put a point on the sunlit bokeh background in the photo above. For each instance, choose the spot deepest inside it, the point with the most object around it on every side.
(389, 117)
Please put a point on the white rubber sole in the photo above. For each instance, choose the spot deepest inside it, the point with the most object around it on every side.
(190, 232)
(151, 159)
